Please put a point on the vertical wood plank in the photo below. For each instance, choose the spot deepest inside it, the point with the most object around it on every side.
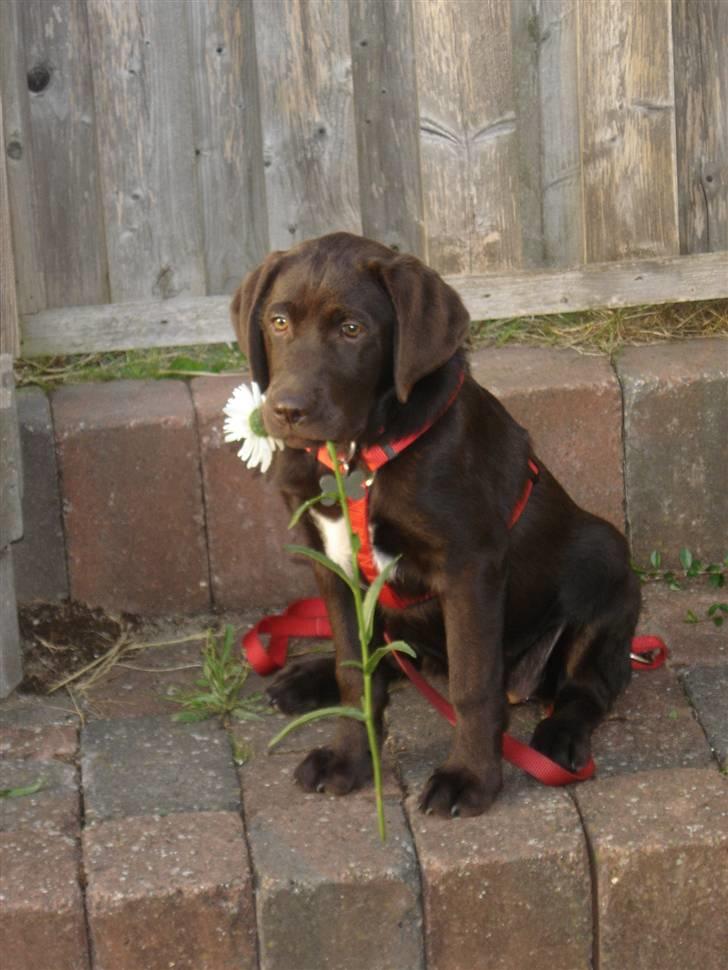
(9, 332)
(228, 139)
(526, 38)
(306, 99)
(387, 127)
(468, 146)
(140, 62)
(68, 205)
(18, 150)
(700, 32)
(563, 224)
(628, 129)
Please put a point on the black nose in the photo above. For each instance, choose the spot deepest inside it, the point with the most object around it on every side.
(290, 409)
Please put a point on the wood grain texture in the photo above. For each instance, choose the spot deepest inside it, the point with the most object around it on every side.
(18, 150)
(165, 323)
(627, 129)
(9, 324)
(700, 33)
(387, 127)
(468, 144)
(307, 107)
(67, 210)
(141, 79)
(228, 140)
(561, 194)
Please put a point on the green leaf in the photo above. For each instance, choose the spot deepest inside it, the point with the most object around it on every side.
(340, 711)
(323, 560)
(718, 620)
(686, 558)
(356, 664)
(655, 559)
(398, 646)
(304, 507)
(245, 714)
(372, 596)
(690, 617)
(22, 792)
(712, 610)
(190, 717)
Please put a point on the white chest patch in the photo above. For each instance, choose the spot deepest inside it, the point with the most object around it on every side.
(335, 538)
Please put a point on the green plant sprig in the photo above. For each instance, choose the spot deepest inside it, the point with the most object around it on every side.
(217, 693)
(692, 568)
(365, 608)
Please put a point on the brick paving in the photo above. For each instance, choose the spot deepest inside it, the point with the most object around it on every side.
(147, 848)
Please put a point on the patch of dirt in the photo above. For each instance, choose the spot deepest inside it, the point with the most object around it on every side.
(61, 638)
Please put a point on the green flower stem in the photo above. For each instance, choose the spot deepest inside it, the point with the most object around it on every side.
(363, 642)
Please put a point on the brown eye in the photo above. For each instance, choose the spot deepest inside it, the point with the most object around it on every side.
(279, 324)
(351, 329)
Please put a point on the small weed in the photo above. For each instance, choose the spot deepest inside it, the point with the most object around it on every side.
(217, 693)
(692, 568)
(22, 792)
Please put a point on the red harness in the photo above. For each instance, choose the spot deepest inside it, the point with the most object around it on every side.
(309, 618)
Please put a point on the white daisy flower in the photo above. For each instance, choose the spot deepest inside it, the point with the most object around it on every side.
(244, 422)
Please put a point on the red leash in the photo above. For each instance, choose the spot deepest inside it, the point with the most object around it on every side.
(308, 618)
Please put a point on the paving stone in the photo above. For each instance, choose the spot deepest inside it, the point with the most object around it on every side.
(40, 556)
(659, 842)
(514, 883)
(155, 766)
(675, 404)
(132, 492)
(170, 892)
(246, 517)
(571, 406)
(11, 660)
(33, 727)
(42, 921)
(329, 893)
(663, 614)
(708, 690)
(55, 808)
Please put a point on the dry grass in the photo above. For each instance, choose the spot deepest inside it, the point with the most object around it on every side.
(607, 331)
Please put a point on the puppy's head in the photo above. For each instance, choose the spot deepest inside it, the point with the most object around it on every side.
(333, 325)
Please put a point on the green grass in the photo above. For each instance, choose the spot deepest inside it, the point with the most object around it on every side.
(218, 692)
(162, 362)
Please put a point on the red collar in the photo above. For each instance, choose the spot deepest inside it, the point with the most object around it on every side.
(376, 455)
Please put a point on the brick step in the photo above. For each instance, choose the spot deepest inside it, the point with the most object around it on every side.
(147, 847)
(153, 512)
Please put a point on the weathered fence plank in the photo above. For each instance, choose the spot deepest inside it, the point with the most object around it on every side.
(701, 101)
(525, 36)
(561, 195)
(67, 210)
(18, 148)
(306, 99)
(140, 61)
(9, 329)
(165, 323)
(628, 129)
(468, 141)
(387, 127)
(228, 140)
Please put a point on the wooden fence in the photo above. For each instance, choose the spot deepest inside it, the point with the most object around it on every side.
(156, 149)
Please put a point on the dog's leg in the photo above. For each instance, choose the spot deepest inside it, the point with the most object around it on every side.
(305, 684)
(472, 775)
(594, 667)
(346, 764)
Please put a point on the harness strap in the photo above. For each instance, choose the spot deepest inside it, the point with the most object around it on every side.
(308, 618)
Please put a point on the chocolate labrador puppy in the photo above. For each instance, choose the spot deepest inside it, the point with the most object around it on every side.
(356, 344)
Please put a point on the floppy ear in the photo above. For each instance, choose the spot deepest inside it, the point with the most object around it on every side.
(431, 320)
(244, 313)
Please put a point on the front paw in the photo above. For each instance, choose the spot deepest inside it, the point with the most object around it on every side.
(333, 772)
(305, 685)
(453, 792)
